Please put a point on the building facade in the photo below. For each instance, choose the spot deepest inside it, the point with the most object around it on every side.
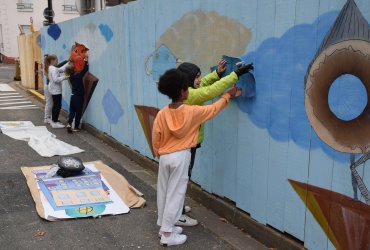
(17, 15)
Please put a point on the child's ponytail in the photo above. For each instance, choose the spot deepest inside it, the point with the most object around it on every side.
(47, 60)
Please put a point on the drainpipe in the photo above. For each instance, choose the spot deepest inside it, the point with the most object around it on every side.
(50, 7)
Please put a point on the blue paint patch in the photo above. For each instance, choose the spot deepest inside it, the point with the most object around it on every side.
(42, 41)
(112, 108)
(54, 31)
(162, 60)
(106, 31)
(347, 97)
(65, 105)
(64, 46)
(247, 81)
(280, 67)
(38, 41)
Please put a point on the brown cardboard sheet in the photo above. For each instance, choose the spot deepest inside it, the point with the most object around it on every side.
(130, 196)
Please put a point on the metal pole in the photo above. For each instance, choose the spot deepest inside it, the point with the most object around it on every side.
(36, 76)
(50, 7)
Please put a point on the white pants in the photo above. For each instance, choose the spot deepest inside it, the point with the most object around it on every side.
(48, 102)
(172, 182)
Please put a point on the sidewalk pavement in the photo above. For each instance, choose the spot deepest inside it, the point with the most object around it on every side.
(7, 73)
(19, 221)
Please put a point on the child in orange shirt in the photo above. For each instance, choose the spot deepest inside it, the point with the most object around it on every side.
(175, 132)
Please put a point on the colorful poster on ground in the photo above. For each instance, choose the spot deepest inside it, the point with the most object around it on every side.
(86, 195)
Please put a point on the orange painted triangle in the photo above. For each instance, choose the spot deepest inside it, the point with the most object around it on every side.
(345, 222)
(146, 117)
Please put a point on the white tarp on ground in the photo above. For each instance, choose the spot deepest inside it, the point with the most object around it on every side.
(41, 140)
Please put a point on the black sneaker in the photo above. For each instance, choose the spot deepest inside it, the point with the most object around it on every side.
(76, 130)
(69, 128)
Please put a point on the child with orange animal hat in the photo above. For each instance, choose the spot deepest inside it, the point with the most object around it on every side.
(78, 56)
(77, 96)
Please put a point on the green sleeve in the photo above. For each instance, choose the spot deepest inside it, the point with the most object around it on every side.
(209, 79)
(204, 94)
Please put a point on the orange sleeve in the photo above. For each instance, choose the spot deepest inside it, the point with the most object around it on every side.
(156, 136)
(205, 113)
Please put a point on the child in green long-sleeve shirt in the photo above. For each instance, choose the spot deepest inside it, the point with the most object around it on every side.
(202, 90)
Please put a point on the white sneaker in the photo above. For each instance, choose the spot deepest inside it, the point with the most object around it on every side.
(186, 221)
(176, 230)
(56, 125)
(187, 209)
(47, 121)
(173, 239)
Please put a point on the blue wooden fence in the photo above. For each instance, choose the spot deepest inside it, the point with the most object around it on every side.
(253, 147)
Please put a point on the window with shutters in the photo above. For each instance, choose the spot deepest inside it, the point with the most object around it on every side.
(24, 5)
(69, 6)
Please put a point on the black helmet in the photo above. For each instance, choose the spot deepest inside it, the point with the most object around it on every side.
(69, 166)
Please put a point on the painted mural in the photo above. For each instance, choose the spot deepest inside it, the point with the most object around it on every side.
(292, 151)
(220, 38)
(344, 221)
(344, 50)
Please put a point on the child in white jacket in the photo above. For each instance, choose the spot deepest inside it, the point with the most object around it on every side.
(55, 88)
(48, 97)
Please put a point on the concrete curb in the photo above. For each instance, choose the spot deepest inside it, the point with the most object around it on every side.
(264, 234)
(37, 95)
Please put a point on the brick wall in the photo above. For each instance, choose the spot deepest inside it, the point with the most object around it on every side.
(8, 60)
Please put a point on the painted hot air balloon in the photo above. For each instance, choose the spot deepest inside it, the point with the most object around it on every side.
(344, 50)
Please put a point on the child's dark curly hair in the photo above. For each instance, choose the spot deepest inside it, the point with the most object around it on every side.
(172, 82)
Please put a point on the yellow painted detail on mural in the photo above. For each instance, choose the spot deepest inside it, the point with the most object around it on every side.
(141, 119)
(310, 201)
